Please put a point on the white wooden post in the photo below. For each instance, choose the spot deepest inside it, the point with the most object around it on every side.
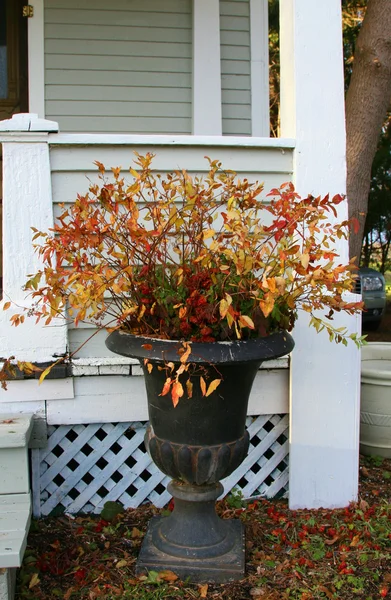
(27, 202)
(260, 112)
(207, 118)
(36, 60)
(325, 378)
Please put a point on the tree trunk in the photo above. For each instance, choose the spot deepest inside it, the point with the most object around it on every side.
(367, 101)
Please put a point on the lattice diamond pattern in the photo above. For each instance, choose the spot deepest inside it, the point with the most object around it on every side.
(84, 466)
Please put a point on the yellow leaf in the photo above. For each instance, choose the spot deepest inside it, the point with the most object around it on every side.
(245, 321)
(182, 312)
(149, 367)
(203, 589)
(305, 259)
(189, 388)
(6, 305)
(208, 233)
(267, 305)
(45, 373)
(121, 563)
(224, 306)
(136, 533)
(212, 386)
(34, 580)
(203, 386)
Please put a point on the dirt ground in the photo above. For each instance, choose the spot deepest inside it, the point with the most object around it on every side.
(290, 555)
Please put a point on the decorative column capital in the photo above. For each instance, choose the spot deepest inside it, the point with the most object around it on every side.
(24, 122)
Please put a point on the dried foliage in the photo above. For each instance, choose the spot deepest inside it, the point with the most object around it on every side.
(180, 257)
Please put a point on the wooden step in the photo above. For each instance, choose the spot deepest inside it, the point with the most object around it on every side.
(15, 431)
(15, 517)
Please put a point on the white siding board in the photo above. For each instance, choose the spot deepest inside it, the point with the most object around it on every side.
(119, 48)
(236, 9)
(119, 78)
(118, 398)
(235, 82)
(130, 44)
(108, 124)
(66, 189)
(235, 66)
(113, 17)
(229, 52)
(145, 64)
(233, 38)
(234, 111)
(101, 32)
(243, 160)
(120, 93)
(170, 6)
(97, 108)
(228, 23)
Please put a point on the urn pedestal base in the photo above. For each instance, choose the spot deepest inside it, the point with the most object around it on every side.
(193, 541)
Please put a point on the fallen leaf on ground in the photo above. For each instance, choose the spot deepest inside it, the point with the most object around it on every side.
(34, 580)
(203, 590)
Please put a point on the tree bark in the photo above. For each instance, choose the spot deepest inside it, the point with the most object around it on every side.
(367, 101)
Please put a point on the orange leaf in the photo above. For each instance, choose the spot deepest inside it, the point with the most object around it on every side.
(203, 386)
(186, 353)
(6, 305)
(176, 392)
(147, 346)
(212, 386)
(245, 321)
(203, 589)
(149, 367)
(166, 387)
(168, 576)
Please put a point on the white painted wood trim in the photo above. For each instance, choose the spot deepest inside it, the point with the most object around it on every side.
(325, 377)
(36, 60)
(118, 399)
(207, 119)
(27, 202)
(107, 139)
(259, 24)
(29, 390)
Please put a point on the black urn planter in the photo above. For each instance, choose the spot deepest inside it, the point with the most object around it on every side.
(199, 442)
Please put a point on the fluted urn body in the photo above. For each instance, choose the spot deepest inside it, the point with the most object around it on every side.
(198, 442)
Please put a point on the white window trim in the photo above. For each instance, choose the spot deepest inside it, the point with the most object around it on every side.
(259, 45)
(36, 60)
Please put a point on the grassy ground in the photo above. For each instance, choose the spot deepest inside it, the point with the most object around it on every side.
(290, 555)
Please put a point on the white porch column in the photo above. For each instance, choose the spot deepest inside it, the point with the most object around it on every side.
(36, 60)
(206, 68)
(260, 111)
(325, 377)
(27, 202)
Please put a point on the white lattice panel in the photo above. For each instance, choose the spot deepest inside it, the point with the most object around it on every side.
(84, 466)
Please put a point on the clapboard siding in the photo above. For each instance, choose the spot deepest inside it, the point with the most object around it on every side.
(123, 66)
(235, 66)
